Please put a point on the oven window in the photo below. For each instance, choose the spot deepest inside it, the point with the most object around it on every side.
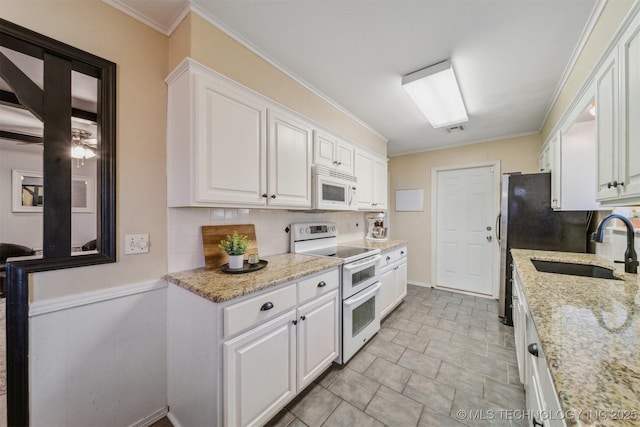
(333, 193)
(363, 275)
(363, 315)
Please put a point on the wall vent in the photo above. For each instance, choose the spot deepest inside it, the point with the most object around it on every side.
(456, 128)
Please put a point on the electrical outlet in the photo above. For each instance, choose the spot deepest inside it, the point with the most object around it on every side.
(136, 244)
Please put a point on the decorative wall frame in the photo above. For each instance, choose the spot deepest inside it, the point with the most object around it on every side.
(27, 194)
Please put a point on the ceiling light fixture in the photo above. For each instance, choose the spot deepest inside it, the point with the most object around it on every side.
(436, 92)
(81, 146)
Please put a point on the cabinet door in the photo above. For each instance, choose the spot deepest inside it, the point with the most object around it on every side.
(380, 184)
(259, 372)
(364, 173)
(556, 171)
(318, 336)
(629, 155)
(545, 165)
(324, 147)
(400, 282)
(231, 140)
(607, 125)
(387, 291)
(344, 155)
(519, 319)
(289, 161)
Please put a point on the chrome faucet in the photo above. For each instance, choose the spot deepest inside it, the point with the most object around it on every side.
(630, 257)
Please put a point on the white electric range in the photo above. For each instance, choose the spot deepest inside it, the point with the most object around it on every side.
(359, 281)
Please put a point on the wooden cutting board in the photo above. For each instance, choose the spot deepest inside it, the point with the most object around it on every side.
(213, 234)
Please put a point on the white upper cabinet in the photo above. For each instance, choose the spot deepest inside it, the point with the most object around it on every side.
(607, 129)
(618, 109)
(332, 152)
(371, 171)
(572, 158)
(545, 158)
(289, 161)
(230, 146)
(216, 141)
(629, 153)
(222, 152)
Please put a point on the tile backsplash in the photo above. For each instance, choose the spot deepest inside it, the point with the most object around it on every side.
(185, 239)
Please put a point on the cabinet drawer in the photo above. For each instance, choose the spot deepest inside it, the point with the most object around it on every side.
(256, 310)
(401, 253)
(313, 286)
(388, 258)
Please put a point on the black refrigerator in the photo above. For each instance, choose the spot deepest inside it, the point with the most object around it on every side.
(528, 222)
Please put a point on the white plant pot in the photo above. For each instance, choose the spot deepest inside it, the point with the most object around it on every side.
(236, 262)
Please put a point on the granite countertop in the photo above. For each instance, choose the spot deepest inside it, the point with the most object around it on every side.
(589, 330)
(376, 244)
(217, 286)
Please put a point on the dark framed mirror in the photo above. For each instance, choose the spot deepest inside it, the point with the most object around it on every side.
(62, 101)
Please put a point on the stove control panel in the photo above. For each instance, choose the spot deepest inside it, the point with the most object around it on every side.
(313, 230)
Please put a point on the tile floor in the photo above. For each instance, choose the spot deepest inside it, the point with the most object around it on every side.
(437, 354)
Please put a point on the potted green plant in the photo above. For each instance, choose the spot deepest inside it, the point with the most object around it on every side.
(235, 246)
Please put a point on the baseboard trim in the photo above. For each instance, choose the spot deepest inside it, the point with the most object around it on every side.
(64, 303)
(421, 284)
(173, 420)
(151, 418)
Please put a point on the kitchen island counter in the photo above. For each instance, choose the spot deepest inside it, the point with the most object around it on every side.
(217, 286)
(589, 329)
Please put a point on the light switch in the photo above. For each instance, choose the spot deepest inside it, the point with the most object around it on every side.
(136, 244)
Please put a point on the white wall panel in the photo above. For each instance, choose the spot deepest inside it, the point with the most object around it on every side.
(101, 363)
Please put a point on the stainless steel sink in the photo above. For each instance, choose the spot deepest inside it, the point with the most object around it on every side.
(572, 269)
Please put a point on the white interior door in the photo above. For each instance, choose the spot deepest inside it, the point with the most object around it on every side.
(465, 250)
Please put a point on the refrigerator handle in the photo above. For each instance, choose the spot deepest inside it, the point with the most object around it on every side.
(497, 228)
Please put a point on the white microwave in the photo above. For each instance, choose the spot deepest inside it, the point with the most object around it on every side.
(333, 190)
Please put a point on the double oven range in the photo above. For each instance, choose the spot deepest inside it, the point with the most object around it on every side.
(359, 281)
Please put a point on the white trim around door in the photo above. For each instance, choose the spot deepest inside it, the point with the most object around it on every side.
(434, 224)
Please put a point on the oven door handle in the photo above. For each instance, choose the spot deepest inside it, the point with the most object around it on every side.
(369, 260)
(366, 294)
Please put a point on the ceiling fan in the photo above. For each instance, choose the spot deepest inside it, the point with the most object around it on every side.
(82, 145)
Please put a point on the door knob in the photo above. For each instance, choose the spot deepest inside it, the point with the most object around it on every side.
(489, 228)
(489, 238)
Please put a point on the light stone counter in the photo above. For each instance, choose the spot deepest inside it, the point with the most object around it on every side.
(382, 245)
(590, 333)
(217, 286)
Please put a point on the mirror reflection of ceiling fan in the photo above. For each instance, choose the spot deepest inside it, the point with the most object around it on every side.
(83, 146)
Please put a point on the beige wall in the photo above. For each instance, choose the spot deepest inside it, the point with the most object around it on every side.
(144, 58)
(215, 49)
(608, 23)
(141, 57)
(413, 171)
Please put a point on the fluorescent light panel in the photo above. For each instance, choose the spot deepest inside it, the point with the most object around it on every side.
(436, 92)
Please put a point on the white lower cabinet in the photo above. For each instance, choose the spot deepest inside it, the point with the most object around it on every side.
(239, 362)
(519, 325)
(260, 372)
(540, 394)
(393, 279)
(265, 367)
(318, 337)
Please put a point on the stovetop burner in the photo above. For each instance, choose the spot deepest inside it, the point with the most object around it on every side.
(321, 239)
(342, 252)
